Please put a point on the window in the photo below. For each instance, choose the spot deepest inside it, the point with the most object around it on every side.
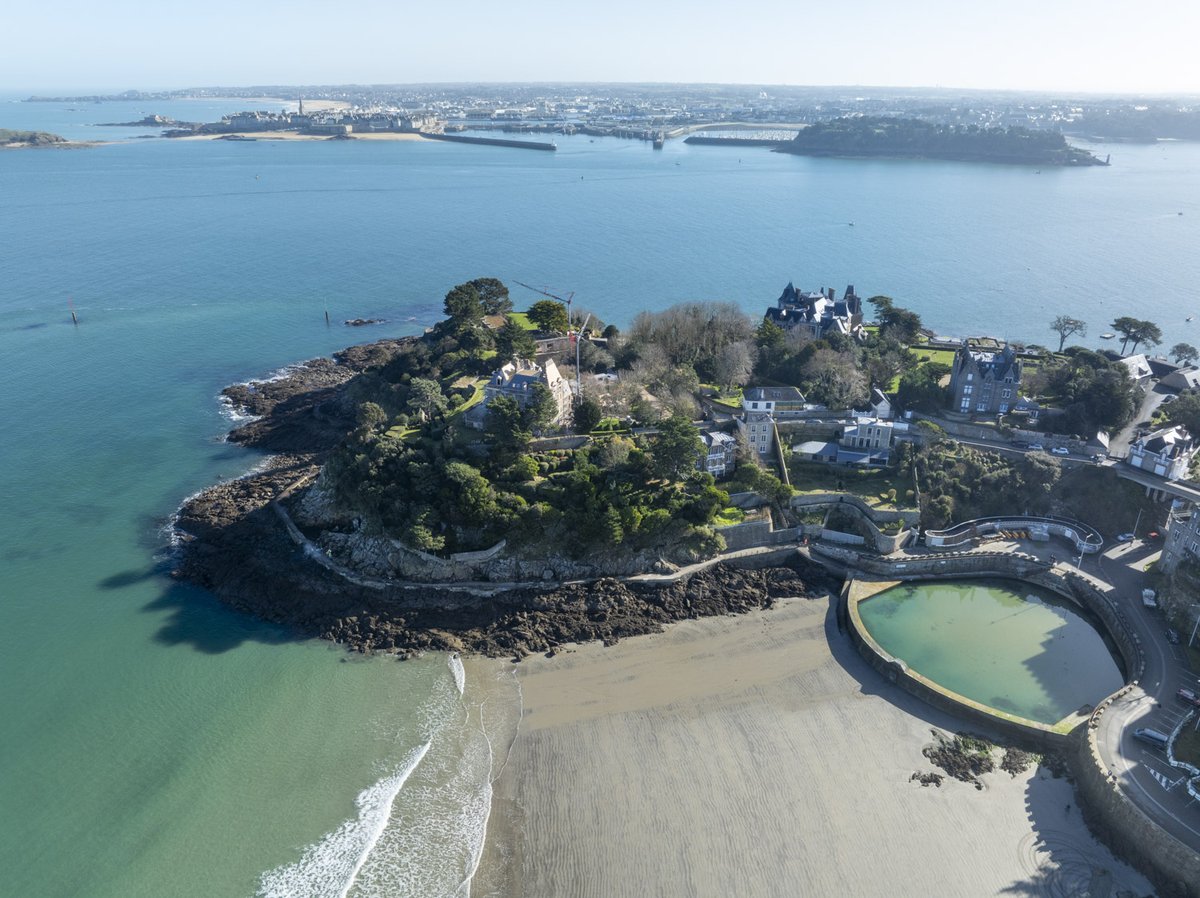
(982, 407)
(1005, 394)
(968, 390)
(970, 377)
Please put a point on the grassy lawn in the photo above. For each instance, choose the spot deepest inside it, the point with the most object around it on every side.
(1187, 746)
(808, 477)
(727, 517)
(476, 397)
(926, 355)
(523, 320)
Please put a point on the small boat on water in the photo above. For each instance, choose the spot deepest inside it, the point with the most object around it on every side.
(1189, 317)
(1107, 336)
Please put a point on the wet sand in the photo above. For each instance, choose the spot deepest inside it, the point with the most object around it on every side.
(758, 756)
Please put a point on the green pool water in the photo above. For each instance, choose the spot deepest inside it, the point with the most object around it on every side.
(1006, 644)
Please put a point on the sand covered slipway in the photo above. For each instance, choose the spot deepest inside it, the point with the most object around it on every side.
(759, 756)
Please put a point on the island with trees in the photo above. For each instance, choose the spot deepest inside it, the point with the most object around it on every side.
(460, 490)
(16, 139)
(908, 138)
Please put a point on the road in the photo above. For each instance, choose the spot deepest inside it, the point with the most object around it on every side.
(1142, 771)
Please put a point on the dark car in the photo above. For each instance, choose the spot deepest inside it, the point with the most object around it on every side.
(1021, 444)
(1173, 636)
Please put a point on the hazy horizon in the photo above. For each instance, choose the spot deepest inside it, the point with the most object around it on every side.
(1068, 47)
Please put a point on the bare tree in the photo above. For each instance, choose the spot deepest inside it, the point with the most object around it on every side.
(734, 364)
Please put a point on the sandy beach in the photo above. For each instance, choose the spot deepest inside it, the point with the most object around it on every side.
(759, 756)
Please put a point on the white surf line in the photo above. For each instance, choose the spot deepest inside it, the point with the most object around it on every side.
(464, 887)
(460, 672)
(331, 866)
(381, 819)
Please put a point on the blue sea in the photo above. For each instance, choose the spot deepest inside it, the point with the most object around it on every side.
(154, 743)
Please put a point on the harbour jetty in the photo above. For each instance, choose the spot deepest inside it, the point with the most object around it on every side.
(494, 141)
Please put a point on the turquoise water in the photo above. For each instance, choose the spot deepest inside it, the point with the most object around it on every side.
(1009, 645)
(155, 743)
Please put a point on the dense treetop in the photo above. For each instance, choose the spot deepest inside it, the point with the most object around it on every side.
(905, 137)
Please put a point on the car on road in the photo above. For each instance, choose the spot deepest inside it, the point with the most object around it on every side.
(1061, 450)
(1173, 636)
(1096, 456)
(1124, 537)
(1152, 737)
(1020, 444)
(1036, 447)
(1188, 697)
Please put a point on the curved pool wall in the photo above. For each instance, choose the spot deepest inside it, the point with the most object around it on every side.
(970, 566)
(1007, 644)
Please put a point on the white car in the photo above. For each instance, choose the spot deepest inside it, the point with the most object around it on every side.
(1061, 450)
(1036, 447)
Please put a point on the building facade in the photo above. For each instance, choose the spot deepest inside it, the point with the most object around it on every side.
(1167, 453)
(1183, 539)
(761, 407)
(985, 381)
(818, 313)
(518, 378)
(720, 453)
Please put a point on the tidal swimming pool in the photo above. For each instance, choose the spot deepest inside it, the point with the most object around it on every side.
(1009, 645)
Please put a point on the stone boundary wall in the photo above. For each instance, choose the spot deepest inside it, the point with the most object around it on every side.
(758, 533)
(976, 432)
(481, 555)
(879, 515)
(1123, 826)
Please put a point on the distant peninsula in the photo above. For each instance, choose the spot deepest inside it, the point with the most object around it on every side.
(907, 138)
(30, 139)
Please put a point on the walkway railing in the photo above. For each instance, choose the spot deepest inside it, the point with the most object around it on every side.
(1086, 539)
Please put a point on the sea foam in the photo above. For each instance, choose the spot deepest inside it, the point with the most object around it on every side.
(331, 866)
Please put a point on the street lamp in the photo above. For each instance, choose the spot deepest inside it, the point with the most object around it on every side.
(1192, 638)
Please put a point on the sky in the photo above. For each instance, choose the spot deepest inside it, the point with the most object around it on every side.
(1098, 46)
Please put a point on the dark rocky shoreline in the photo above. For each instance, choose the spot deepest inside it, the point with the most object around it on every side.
(234, 544)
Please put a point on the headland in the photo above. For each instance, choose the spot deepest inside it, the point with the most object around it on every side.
(900, 138)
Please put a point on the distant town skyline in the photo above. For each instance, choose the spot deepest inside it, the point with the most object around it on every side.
(1084, 46)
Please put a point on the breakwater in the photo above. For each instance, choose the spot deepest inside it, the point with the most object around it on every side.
(734, 141)
(494, 141)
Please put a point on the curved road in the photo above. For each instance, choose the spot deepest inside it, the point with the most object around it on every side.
(1141, 770)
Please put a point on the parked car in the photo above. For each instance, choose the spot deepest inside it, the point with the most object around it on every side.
(1168, 398)
(1061, 450)
(1096, 456)
(1172, 636)
(1036, 447)
(1124, 537)
(1152, 737)
(1148, 598)
(1188, 697)
(1020, 444)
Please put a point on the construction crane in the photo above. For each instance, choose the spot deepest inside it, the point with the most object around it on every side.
(565, 300)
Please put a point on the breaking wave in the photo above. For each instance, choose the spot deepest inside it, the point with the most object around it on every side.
(331, 867)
